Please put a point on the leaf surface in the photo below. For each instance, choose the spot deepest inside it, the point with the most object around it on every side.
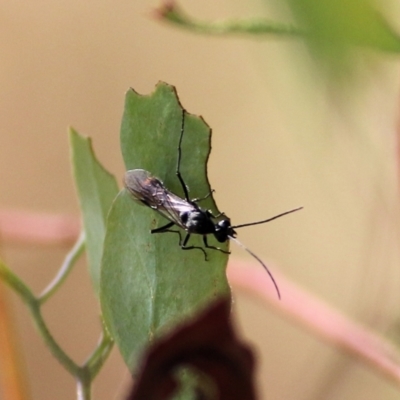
(97, 189)
(148, 283)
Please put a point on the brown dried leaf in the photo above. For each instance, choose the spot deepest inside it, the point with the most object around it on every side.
(209, 345)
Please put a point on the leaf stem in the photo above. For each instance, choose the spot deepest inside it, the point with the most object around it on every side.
(84, 374)
(34, 305)
(53, 346)
(100, 354)
(16, 284)
(84, 385)
(66, 267)
(170, 12)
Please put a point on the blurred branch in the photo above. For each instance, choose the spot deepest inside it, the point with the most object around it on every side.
(13, 379)
(336, 33)
(168, 11)
(320, 319)
(34, 228)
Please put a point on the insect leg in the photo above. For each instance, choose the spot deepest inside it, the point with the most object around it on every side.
(178, 166)
(197, 199)
(184, 247)
(164, 228)
(213, 247)
(216, 216)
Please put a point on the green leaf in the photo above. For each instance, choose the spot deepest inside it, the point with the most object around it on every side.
(148, 283)
(334, 25)
(338, 33)
(97, 189)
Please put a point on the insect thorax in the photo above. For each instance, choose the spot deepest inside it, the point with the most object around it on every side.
(198, 221)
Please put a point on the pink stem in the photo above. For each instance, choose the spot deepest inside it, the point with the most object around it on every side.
(45, 229)
(319, 319)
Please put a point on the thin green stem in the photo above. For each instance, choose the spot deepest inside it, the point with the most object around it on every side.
(84, 385)
(66, 267)
(53, 346)
(12, 280)
(33, 304)
(85, 374)
(100, 354)
(170, 12)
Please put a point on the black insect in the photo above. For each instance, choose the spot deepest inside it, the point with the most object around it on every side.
(186, 213)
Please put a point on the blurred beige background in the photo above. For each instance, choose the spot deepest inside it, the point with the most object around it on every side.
(281, 138)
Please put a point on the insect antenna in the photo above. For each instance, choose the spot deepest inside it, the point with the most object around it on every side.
(267, 220)
(178, 165)
(259, 260)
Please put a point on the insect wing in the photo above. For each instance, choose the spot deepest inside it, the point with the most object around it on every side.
(144, 187)
(150, 191)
